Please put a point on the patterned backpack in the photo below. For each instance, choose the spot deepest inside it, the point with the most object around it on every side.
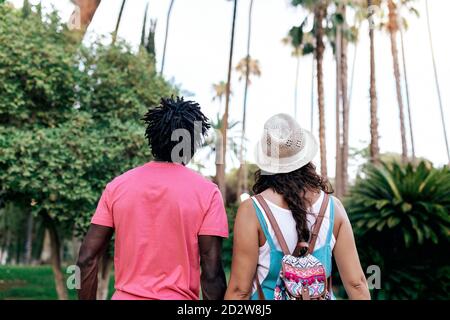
(302, 277)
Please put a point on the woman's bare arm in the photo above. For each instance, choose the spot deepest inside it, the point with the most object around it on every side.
(245, 253)
(347, 259)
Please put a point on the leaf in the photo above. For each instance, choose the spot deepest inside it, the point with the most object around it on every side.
(406, 207)
(393, 221)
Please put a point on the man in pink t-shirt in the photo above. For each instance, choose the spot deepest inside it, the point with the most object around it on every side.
(168, 220)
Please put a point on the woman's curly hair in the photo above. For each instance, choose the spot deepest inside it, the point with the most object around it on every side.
(293, 187)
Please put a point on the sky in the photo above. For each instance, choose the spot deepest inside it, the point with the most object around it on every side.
(197, 57)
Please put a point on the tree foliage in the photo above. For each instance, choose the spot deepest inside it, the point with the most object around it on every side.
(69, 115)
(401, 220)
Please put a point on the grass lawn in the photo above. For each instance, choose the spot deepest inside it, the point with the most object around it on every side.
(35, 283)
(31, 282)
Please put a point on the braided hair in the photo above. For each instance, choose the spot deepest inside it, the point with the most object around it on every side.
(293, 187)
(173, 114)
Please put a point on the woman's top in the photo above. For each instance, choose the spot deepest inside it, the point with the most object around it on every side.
(270, 254)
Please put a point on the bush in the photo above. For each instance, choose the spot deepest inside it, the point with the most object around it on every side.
(400, 216)
(227, 250)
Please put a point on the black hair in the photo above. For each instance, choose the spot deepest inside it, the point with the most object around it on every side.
(170, 115)
(293, 187)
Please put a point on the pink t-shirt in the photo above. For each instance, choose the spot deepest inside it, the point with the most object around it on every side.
(158, 211)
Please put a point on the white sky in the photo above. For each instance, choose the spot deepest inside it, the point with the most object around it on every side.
(197, 57)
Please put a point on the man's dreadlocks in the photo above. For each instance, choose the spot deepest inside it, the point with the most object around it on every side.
(170, 115)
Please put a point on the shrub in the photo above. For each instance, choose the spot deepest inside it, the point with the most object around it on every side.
(400, 216)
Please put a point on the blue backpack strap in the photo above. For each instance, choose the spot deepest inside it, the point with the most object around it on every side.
(330, 231)
(262, 222)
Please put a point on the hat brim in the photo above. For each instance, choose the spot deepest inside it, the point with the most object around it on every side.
(289, 164)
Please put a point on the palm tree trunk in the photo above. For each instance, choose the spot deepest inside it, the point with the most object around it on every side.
(166, 36)
(338, 175)
(242, 177)
(320, 48)
(345, 107)
(119, 19)
(220, 167)
(408, 101)
(393, 27)
(374, 147)
(352, 77)
(296, 88)
(313, 68)
(436, 78)
(83, 14)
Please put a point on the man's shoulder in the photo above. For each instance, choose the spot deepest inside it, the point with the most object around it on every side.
(125, 176)
(200, 179)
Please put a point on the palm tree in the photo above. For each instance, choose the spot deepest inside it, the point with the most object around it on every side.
(436, 77)
(319, 10)
(349, 35)
(220, 90)
(319, 16)
(83, 14)
(301, 43)
(393, 27)
(313, 77)
(212, 143)
(246, 67)
(374, 147)
(220, 166)
(408, 101)
(169, 12)
(119, 19)
(338, 34)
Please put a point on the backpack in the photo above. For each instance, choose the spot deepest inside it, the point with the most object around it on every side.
(302, 276)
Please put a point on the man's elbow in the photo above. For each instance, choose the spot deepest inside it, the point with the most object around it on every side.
(86, 260)
(212, 278)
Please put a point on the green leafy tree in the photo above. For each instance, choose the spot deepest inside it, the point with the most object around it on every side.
(69, 120)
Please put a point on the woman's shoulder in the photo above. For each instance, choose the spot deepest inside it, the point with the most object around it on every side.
(246, 215)
(340, 214)
(246, 209)
(338, 204)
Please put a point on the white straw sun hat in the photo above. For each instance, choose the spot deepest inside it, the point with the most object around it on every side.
(284, 146)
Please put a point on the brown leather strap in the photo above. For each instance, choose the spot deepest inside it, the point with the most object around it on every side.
(259, 288)
(318, 223)
(274, 224)
(329, 285)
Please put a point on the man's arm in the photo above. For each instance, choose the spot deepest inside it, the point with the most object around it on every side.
(212, 278)
(94, 245)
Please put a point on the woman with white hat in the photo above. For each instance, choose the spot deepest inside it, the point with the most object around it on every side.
(290, 212)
